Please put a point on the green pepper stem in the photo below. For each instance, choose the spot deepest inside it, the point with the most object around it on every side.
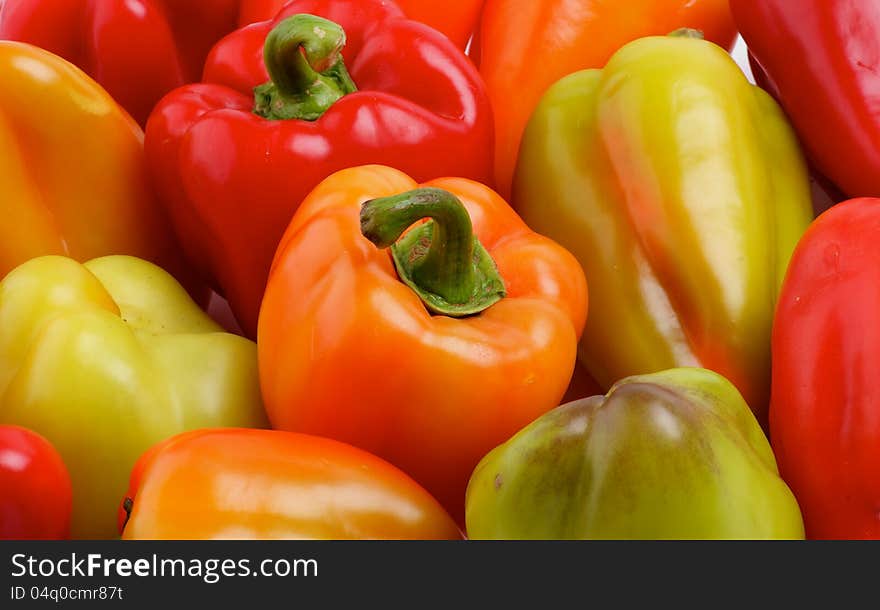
(442, 261)
(303, 56)
(687, 33)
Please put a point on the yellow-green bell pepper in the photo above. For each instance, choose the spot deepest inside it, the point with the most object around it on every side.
(682, 190)
(106, 359)
(672, 455)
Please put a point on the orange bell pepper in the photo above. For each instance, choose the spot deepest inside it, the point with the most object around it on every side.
(430, 365)
(264, 484)
(72, 174)
(525, 46)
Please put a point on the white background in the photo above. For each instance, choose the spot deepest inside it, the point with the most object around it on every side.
(741, 56)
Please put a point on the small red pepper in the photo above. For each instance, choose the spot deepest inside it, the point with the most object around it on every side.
(35, 491)
(279, 112)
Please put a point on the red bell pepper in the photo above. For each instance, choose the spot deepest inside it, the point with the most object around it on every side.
(138, 50)
(822, 62)
(252, 11)
(825, 406)
(232, 164)
(455, 18)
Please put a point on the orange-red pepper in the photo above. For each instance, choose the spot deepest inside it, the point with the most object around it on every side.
(264, 484)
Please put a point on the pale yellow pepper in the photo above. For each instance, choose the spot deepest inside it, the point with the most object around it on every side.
(108, 358)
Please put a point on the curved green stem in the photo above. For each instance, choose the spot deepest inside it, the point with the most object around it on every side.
(442, 260)
(303, 55)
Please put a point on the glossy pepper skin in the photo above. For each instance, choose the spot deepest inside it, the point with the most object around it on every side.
(672, 455)
(233, 179)
(455, 18)
(35, 495)
(72, 174)
(681, 190)
(107, 358)
(826, 348)
(822, 61)
(252, 11)
(349, 351)
(138, 50)
(298, 487)
(525, 46)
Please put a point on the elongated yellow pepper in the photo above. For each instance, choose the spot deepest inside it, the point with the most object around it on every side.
(681, 189)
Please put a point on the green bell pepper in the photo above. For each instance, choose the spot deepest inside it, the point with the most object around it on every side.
(672, 455)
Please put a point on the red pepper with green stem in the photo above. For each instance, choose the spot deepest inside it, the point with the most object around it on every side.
(233, 157)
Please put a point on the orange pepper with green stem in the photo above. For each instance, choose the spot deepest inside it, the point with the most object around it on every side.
(428, 355)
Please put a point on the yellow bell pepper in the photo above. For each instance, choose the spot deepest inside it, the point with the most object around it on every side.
(72, 173)
(108, 358)
(681, 189)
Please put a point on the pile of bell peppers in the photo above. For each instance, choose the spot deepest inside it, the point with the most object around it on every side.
(479, 269)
